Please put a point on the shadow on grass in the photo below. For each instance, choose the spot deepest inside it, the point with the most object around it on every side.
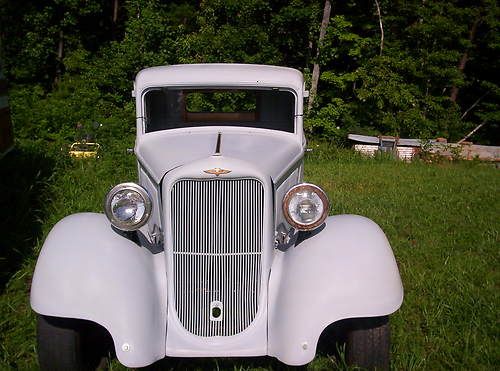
(23, 184)
(330, 355)
(201, 364)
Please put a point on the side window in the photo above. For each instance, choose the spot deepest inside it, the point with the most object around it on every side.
(163, 109)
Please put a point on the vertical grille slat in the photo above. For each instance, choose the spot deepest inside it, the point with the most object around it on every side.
(217, 253)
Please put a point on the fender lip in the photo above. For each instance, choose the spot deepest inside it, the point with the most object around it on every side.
(347, 270)
(86, 270)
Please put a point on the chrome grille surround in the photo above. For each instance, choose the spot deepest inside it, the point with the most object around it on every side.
(217, 234)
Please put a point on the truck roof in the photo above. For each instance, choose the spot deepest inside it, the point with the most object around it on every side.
(220, 75)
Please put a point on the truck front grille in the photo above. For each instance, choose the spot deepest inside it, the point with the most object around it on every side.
(217, 249)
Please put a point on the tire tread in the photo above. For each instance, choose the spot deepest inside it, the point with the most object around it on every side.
(368, 343)
(67, 344)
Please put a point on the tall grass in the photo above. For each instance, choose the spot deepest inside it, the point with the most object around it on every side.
(441, 220)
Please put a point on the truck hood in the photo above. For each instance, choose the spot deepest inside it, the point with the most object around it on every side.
(273, 152)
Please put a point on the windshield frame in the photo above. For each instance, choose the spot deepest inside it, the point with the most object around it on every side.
(141, 114)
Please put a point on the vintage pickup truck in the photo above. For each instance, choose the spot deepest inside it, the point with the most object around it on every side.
(220, 249)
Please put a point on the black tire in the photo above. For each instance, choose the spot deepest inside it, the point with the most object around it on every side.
(70, 344)
(367, 343)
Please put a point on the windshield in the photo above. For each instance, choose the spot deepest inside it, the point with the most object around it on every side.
(170, 108)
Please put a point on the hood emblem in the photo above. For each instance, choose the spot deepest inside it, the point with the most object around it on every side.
(217, 171)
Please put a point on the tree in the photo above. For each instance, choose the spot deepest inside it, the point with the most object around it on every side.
(315, 76)
(408, 68)
(231, 31)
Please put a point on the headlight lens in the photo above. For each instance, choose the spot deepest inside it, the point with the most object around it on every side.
(128, 206)
(305, 206)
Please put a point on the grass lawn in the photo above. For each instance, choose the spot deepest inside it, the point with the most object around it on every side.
(442, 221)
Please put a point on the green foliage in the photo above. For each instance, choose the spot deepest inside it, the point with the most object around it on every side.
(293, 28)
(326, 122)
(221, 101)
(402, 90)
(74, 111)
(405, 89)
(231, 31)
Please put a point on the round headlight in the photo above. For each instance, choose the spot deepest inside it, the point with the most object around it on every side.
(305, 206)
(128, 206)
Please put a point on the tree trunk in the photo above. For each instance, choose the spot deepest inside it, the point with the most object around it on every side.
(465, 57)
(60, 55)
(381, 27)
(115, 11)
(114, 19)
(315, 76)
(472, 132)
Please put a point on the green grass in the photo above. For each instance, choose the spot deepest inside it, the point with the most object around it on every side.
(442, 221)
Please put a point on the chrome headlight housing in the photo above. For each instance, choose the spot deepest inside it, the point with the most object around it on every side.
(128, 206)
(305, 206)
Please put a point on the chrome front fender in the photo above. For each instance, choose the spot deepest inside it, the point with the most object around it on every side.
(86, 270)
(346, 270)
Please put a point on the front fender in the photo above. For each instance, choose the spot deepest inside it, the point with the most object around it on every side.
(347, 270)
(88, 271)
